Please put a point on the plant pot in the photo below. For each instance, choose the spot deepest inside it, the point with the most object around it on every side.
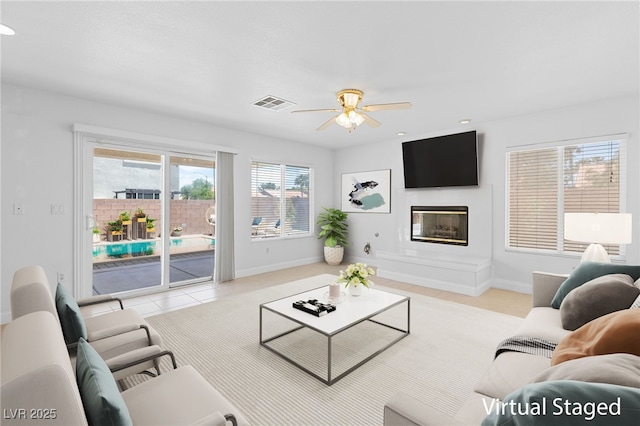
(96, 238)
(355, 290)
(333, 255)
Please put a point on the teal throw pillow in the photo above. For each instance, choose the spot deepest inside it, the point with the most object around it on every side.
(587, 271)
(565, 403)
(73, 326)
(102, 401)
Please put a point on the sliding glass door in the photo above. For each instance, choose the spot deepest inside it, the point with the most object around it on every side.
(193, 218)
(153, 218)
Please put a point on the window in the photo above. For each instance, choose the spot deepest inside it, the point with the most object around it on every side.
(280, 197)
(546, 182)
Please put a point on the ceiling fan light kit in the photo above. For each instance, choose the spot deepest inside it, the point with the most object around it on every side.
(351, 116)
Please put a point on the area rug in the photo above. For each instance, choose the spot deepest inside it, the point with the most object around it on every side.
(449, 348)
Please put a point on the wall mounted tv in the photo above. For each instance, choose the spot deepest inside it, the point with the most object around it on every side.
(450, 160)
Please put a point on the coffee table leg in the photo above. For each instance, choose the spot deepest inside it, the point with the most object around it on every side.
(329, 361)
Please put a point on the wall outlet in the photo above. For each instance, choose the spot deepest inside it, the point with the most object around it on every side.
(60, 277)
(57, 208)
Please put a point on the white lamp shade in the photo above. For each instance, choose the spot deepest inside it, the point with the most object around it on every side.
(343, 120)
(602, 228)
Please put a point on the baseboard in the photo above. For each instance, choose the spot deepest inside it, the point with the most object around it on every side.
(518, 287)
(277, 266)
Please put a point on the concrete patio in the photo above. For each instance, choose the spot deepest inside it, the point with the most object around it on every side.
(141, 272)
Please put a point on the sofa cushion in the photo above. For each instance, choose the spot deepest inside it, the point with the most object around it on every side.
(618, 369)
(598, 297)
(543, 323)
(71, 321)
(102, 401)
(635, 304)
(587, 271)
(616, 332)
(566, 402)
(510, 371)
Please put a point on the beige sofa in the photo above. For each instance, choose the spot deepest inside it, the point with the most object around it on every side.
(598, 362)
(39, 385)
(508, 372)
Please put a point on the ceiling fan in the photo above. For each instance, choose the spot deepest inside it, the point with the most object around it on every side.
(351, 115)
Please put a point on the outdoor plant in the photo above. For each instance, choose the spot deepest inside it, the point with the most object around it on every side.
(355, 274)
(125, 216)
(114, 226)
(333, 225)
(140, 214)
(150, 224)
(96, 230)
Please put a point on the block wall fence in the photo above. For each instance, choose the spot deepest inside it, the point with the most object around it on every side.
(189, 212)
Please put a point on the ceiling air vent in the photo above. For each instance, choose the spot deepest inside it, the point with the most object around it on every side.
(272, 103)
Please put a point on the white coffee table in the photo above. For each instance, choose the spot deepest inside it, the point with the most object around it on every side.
(350, 312)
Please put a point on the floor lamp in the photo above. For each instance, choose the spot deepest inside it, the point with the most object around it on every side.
(597, 229)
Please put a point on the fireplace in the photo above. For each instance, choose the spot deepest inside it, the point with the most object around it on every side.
(440, 224)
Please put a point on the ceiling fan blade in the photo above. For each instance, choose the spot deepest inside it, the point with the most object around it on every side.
(370, 121)
(380, 107)
(328, 123)
(317, 110)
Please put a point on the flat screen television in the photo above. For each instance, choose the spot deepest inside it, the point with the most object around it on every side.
(450, 160)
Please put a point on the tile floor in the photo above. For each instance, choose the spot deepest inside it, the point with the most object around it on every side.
(503, 301)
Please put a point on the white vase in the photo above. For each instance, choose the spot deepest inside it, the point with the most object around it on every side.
(355, 290)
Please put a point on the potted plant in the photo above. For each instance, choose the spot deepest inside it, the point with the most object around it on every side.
(141, 215)
(139, 228)
(333, 225)
(114, 230)
(96, 234)
(125, 218)
(150, 226)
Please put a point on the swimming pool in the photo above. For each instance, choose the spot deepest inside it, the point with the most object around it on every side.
(105, 251)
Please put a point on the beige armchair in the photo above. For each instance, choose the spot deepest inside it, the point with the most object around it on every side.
(113, 334)
(39, 385)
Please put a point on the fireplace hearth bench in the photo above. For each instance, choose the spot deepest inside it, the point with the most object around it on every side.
(468, 275)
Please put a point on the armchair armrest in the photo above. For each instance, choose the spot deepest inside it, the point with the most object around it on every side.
(139, 356)
(544, 287)
(97, 300)
(114, 331)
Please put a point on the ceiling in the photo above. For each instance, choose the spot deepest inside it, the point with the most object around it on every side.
(210, 60)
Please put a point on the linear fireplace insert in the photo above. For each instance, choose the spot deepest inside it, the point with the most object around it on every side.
(440, 224)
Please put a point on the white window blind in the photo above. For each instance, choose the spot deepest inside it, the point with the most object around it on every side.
(279, 200)
(545, 183)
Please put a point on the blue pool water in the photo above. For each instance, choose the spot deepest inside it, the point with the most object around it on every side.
(106, 251)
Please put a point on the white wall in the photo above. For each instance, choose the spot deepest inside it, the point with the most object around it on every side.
(510, 269)
(37, 171)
